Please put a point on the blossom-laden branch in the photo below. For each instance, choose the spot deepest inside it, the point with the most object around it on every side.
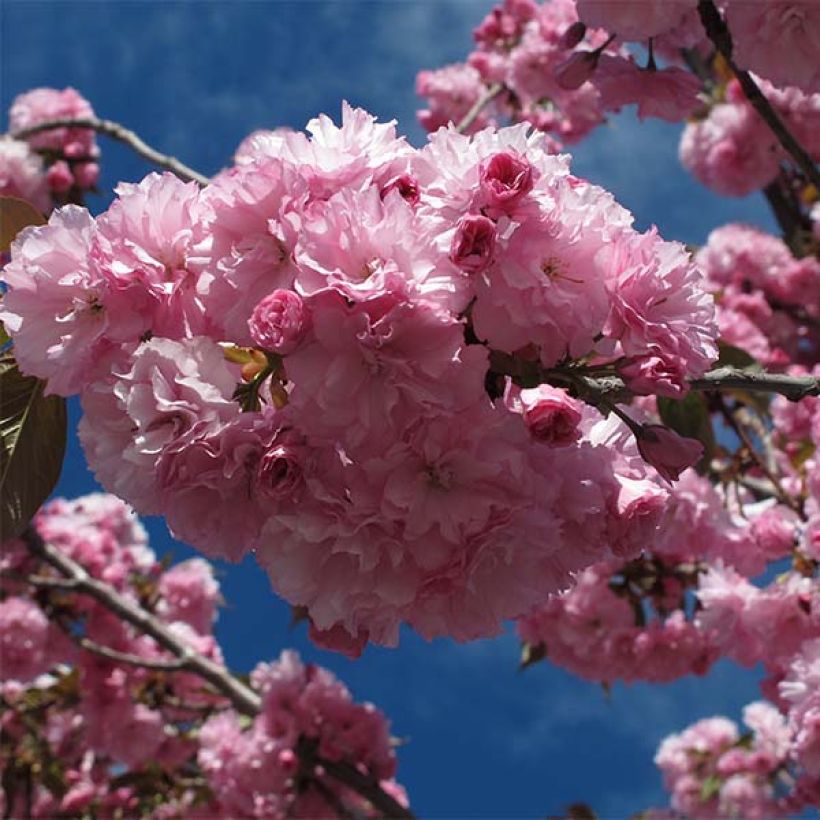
(122, 134)
(244, 699)
(718, 32)
(598, 389)
(478, 106)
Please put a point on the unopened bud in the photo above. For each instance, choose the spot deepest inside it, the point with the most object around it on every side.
(576, 69)
(573, 35)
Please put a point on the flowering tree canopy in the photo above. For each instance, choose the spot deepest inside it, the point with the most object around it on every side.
(444, 387)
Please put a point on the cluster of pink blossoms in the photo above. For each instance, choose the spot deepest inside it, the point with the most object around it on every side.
(561, 71)
(252, 770)
(102, 718)
(297, 360)
(637, 620)
(732, 151)
(768, 302)
(54, 166)
(712, 770)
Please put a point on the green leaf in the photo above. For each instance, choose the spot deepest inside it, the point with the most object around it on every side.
(16, 214)
(710, 788)
(729, 355)
(32, 446)
(690, 417)
(532, 653)
(4, 337)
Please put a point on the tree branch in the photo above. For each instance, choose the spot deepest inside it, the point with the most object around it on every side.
(122, 134)
(366, 786)
(244, 699)
(718, 33)
(124, 657)
(793, 388)
(598, 388)
(478, 106)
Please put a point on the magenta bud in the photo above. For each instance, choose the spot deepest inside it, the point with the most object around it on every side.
(576, 69)
(573, 35)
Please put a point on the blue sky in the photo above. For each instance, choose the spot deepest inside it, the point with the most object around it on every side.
(193, 79)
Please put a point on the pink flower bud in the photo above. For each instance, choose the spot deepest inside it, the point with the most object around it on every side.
(59, 176)
(406, 185)
(279, 321)
(288, 761)
(573, 35)
(551, 416)
(280, 472)
(576, 69)
(474, 243)
(669, 453)
(505, 180)
(86, 174)
(655, 375)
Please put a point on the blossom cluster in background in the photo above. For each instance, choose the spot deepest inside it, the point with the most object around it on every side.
(112, 737)
(49, 167)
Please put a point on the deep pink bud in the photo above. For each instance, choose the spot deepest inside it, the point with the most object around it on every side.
(551, 416)
(279, 321)
(655, 375)
(505, 179)
(573, 35)
(280, 472)
(59, 177)
(407, 186)
(288, 761)
(669, 453)
(86, 174)
(473, 243)
(576, 69)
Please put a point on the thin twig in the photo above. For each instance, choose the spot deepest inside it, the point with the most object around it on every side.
(243, 698)
(748, 444)
(119, 132)
(718, 33)
(125, 657)
(478, 106)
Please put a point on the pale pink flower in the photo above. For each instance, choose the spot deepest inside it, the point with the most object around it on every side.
(54, 308)
(209, 478)
(148, 247)
(190, 593)
(634, 19)
(22, 174)
(359, 153)
(778, 39)
(253, 239)
(450, 93)
(732, 151)
(146, 404)
(26, 645)
(659, 307)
